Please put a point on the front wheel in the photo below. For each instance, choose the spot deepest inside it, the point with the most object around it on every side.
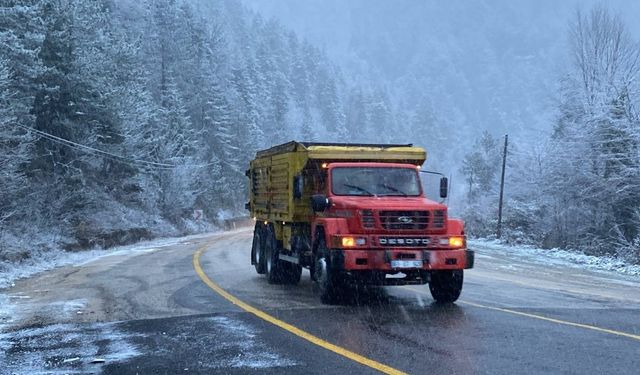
(324, 274)
(446, 286)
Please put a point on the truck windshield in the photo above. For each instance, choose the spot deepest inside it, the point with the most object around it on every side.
(378, 181)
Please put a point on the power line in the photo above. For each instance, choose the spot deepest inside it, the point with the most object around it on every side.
(109, 155)
(85, 148)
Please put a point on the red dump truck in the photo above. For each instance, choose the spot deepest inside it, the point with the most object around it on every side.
(353, 214)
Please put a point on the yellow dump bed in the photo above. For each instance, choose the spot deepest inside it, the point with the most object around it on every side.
(280, 188)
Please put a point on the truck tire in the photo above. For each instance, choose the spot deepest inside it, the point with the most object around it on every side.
(445, 286)
(273, 266)
(325, 276)
(257, 249)
(291, 273)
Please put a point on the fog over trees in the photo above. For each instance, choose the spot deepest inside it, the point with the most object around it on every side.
(119, 118)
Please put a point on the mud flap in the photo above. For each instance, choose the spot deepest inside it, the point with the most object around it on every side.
(470, 255)
(337, 259)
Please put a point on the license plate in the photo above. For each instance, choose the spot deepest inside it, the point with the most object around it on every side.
(406, 264)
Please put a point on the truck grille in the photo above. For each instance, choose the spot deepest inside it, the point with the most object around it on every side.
(438, 219)
(368, 221)
(406, 220)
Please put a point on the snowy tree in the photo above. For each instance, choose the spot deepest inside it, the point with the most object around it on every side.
(356, 119)
(21, 36)
(331, 114)
(13, 149)
(221, 136)
(481, 166)
(21, 31)
(380, 112)
(246, 108)
(597, 136)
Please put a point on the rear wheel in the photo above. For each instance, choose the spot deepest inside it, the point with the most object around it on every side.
(324, 274)
(278, 271)
(257, 249)
(446, 286)
(272, 263)
(291, 273)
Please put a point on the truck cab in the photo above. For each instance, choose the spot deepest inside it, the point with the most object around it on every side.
(366, 220)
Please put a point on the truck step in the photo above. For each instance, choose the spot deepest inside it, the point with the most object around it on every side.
(289, 258)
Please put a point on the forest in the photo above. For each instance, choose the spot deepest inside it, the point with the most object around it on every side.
(119, 119)
(578, 187)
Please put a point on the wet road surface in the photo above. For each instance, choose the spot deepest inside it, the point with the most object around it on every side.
(150, 312)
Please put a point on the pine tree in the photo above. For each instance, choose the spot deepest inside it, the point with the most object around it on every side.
(21, 35)
(279, 107)
(331, 114)
(357, 121)
(246, 112)
(13, 149)
(380, 116)
(225, 147)
(481, 166)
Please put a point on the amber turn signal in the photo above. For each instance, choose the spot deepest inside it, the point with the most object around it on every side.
(456, 241)
(348, 242)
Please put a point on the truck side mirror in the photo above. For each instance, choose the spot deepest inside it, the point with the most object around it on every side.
(298, 186)
(444, 187)
(319, 202)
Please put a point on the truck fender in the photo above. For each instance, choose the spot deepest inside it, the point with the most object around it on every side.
(329, 227)
(455, 227)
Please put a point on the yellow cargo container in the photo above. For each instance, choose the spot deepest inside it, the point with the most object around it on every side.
(277, 189)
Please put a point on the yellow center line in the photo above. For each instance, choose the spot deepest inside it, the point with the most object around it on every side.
(547, 319)
(286, 326)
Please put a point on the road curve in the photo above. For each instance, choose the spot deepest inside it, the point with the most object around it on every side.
(153, 311)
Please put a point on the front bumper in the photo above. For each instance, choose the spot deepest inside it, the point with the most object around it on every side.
(383, 259)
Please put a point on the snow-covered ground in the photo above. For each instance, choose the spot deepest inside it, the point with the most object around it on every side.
(53, 259)
(10, 272)
(64, 348)
(558, 257)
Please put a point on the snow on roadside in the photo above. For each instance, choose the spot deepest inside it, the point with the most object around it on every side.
(560, 257)
(43, 261)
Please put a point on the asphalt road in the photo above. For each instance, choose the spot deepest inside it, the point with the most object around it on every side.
(152, 312)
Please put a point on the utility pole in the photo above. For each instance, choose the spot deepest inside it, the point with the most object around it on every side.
(504, 164)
